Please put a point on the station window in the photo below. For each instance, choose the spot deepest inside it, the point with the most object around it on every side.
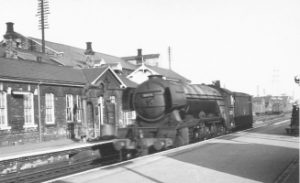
(69, 107)
(3, 111)
(79, 108)
(129, 117)
(112, 99)
(49, 101)
(100, 110)
(28, 111)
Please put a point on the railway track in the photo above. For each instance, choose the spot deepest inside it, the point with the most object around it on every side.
(269, 117)
(57, 170)
(67, 168)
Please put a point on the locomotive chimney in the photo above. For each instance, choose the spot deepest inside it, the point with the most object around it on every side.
(89, 50)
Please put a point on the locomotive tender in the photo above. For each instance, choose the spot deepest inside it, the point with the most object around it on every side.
(172, 114)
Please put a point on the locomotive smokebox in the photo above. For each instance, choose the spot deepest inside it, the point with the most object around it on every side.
(149, 100)
(157, 97)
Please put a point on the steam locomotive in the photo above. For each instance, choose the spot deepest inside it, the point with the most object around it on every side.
(172, 114)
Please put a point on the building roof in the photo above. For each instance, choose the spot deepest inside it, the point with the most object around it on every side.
(12, 69)
(128, 82)
(93, 74)
(32, 56)
(73, 56)
(169, 74)
(65, 55)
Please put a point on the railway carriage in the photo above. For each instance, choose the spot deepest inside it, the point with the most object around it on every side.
(243, 110)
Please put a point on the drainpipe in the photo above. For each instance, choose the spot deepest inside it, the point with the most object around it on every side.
(85, 123)
(39, 111)
(84, 107)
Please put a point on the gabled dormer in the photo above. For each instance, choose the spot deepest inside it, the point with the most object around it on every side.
(141, 74)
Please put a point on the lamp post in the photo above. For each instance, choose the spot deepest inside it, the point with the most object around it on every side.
(296, 123)
(297, 79)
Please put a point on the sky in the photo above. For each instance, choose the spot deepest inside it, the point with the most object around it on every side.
(251, 46)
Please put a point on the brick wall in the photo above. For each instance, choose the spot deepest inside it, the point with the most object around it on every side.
(107, 86)
(18, 134)
(60, 128)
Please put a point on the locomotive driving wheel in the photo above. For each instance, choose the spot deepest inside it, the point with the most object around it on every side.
(213, 130)
(199, 133)
(221, 129)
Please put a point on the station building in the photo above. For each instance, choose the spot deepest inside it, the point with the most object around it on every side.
(42, 102)
(66, 92)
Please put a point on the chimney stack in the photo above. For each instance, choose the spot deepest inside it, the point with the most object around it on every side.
(9, 27)
(89, 50)
(217, 83)
(10, 33)
(139, 52)
(139, 58)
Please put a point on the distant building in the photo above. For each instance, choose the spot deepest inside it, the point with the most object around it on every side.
(271, 104)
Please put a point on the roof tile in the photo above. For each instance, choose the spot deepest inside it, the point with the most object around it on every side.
(32, 71)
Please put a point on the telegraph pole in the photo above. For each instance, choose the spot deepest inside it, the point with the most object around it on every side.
(42, 13)
(169, 53)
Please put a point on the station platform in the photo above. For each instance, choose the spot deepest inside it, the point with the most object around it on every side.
(263, 154)
(31, 149)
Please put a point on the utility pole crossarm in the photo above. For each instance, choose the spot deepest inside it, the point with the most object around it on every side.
(297, 79)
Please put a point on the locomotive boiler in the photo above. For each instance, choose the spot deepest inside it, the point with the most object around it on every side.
(172, 114)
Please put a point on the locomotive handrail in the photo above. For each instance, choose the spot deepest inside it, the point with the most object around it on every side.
(204, 96)
(152, 91)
